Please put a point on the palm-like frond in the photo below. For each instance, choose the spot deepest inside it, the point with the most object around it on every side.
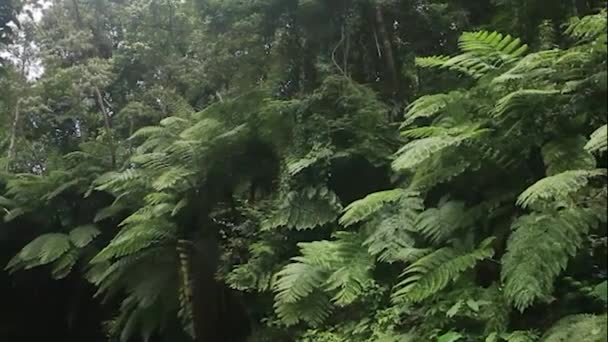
(557, 188)
(578, 328)
(44, 249)
(429, 106)
(567, 154)
(391, 235)
(433, 272)
(364, 208)
(492, 45)
(588, 27)
(515, 336)
(418, 151)
(83, 235)
(523, 100)
(539, 250)
(340, 267)
(598, 141)
(305, 209)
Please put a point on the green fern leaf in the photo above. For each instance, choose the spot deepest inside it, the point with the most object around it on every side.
(557, 188)
(64, 265)
(83, 235)
(492, 45)
(419, 151)
(435, 271)
(362, 209)
(43, 250)
(522, 100)
(539, 250)
(391, 238)
(586, 328)
(588, 27)
(567, 154)
(598, 141)
(438, 224)
(306, 209)
(429, 106)
(171, 178)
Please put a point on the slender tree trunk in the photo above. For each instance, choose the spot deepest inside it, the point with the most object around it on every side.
(77, 13)
(11, 146)
(108, 125)
(389, 57)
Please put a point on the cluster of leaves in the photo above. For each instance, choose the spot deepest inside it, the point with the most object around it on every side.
(148, 148)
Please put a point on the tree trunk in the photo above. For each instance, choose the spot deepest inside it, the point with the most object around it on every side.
(108, 125)
(389, 57)
(11, 146)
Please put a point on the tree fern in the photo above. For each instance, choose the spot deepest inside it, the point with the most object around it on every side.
(305, 209)
(598, 141)
(433, 272)
(83, 235)
(364, 208)
(483, 52)
(340, 267)
(391, 235)
(578, 328)
(588, 27)
(520, 101)
(317, 154)
(438, 224)
(419, 151)
(516, 336)
(43, 250)
(539, 250)
(557, 188)
(567, 154)
(492, 45)
(133, 239)
(428, 106)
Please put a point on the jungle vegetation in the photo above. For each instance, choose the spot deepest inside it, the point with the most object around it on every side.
(303, 170)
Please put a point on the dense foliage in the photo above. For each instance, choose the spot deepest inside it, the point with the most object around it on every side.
(313, 170)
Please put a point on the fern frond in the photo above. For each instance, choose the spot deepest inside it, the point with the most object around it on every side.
(492, 45)
(598, 141)
(557, 188)
(433, 272)
(43, 250)
(539, 250)
(318, 153)
(451, 336)
(438, 224)
(314, 310)
(418, 151)
(588, 328)
(364, 208)
(533, 66)
(431, 61)
(83, 235)
(429, 106)
(588, 27)
(353, 277)
(136, 238)
(467, 63)
(171, 178)
(515, 336)
(64, 265)
(391, 237)
(522, 100)
(306, 209)
(567, 154)
(146, 132)
(341, 267)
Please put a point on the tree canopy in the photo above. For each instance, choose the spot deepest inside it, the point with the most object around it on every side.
(305, 170)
